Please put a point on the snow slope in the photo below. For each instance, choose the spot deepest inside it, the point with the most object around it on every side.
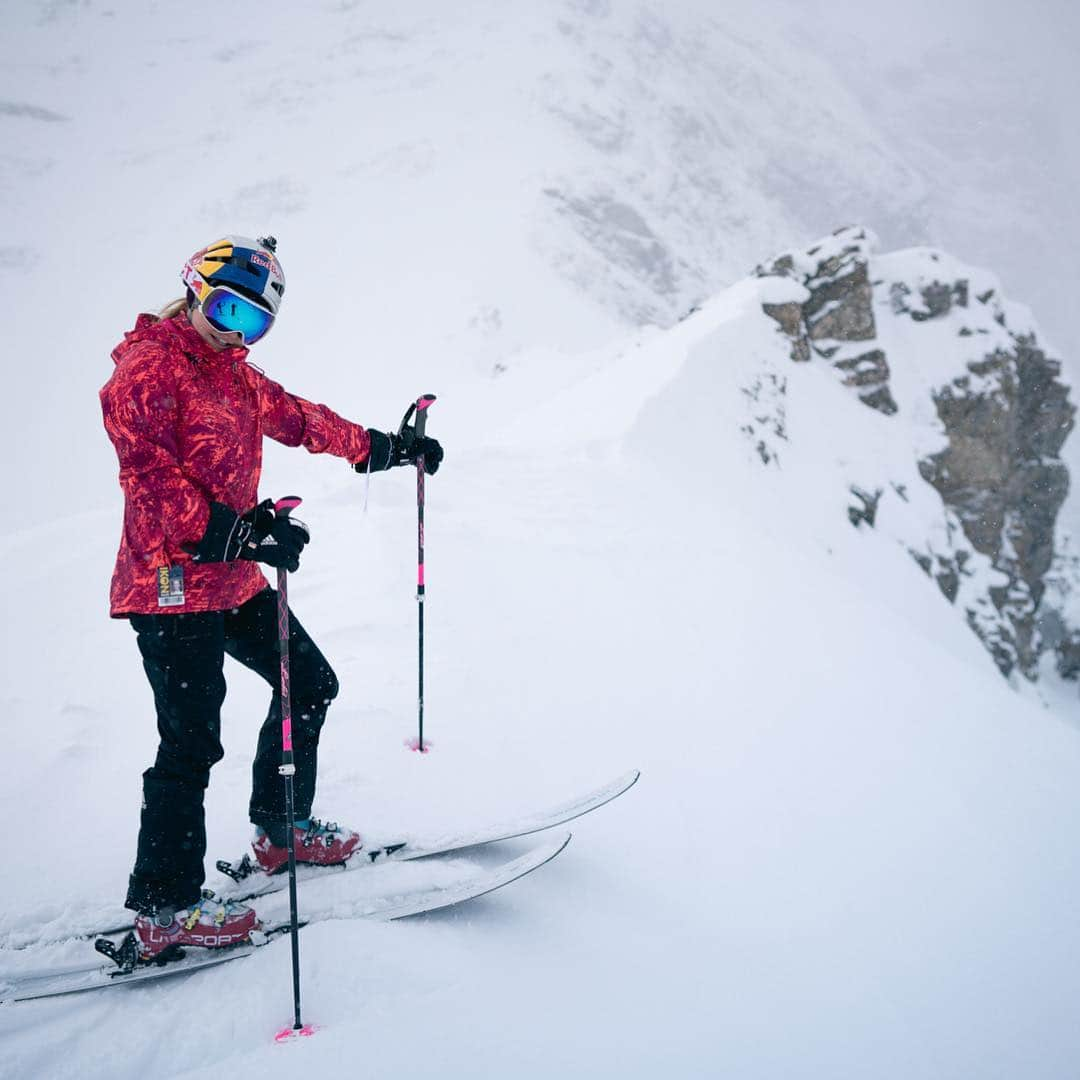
(847, 851)
(851, 850)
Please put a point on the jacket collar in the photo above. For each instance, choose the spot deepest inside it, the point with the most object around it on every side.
(176, 331)
(192, 343)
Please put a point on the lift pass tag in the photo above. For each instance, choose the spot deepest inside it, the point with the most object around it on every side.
(170, 586)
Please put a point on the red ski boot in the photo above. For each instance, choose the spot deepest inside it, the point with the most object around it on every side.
(211, 923)
(317, 844)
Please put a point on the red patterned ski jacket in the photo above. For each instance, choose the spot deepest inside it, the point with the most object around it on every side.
(188, 423)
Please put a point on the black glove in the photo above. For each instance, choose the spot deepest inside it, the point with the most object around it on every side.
(403, 448)
(259, 535)
(428, 449)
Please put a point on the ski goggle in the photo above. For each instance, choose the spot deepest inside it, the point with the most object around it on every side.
(231, 313)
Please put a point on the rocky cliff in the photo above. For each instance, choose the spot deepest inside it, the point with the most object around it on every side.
(919, 331)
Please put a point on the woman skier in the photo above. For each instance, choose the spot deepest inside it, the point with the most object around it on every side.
(187, 414)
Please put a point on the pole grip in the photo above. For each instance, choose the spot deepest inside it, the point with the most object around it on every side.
(423, 403)
(284, 506)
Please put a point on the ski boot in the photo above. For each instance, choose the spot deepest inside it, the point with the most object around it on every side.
(317, 844)
(211, 924)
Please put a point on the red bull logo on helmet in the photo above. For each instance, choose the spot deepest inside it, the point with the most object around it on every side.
(267, 262)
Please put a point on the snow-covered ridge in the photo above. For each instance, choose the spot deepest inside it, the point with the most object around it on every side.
(963, 385)
(901, 393)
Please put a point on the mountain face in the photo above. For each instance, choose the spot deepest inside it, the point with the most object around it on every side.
(919, 333)
(527, 175)
(739, 548)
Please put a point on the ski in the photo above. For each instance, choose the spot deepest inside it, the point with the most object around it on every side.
(31, 985)
(406, 850)
(249, 882)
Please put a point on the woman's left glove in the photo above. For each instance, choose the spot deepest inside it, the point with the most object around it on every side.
(390, 450)
(259, 535)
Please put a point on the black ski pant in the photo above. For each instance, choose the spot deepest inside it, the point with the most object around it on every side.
(183, 656)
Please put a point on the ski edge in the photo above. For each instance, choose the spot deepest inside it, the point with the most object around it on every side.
(505, 874)
(526, 825)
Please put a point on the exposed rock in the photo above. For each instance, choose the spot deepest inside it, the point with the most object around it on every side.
(867, 508)
(767, 424)
(880, 399)
(938, 298)
(790, 318)
(840, 306)
(868, 373)
(948, 579)
(947, 570)
(840, 310)
(1001, 474)
(841, 300)
(925, 561)
(788, 315)
(1067, 650)
(1004, 416)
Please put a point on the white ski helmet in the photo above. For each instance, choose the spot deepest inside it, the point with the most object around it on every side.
(249, 266)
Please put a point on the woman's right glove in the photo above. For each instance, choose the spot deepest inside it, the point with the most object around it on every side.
(259, 535)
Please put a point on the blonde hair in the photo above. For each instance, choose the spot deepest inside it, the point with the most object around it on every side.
(173, 307)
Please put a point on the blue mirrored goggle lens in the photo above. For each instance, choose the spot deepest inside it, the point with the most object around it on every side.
(228, 312)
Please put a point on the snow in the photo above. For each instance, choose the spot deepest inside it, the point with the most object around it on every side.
(850, 852)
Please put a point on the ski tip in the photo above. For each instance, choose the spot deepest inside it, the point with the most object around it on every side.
(286, 1034)
(414, 744)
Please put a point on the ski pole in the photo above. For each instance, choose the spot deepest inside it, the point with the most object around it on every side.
(287, 769)
(423, 403)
